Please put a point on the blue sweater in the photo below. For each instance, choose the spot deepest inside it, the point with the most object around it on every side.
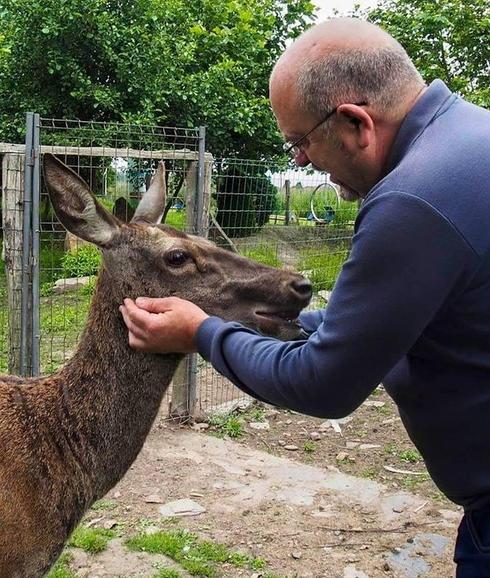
(411, 307)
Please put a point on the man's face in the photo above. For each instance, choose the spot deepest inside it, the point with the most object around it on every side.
(323, 148)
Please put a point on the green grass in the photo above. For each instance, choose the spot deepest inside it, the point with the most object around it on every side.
(255, 414)
(309, 447)
(176, 219)
(92, 540)
(62, 320)
(61, 569)
(369, 473)
(322, 266)
(390, 449)
(167, 573)
(411, 483)
(412, 456)
(300, 204)
(104, 505)
(227, 425)
(83, 261)
(264, 254)
(197, 557)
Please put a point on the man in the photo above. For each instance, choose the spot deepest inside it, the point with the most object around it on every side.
(411, 307)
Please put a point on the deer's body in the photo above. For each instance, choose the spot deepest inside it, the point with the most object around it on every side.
(67, 439)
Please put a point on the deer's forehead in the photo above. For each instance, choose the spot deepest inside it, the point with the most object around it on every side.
(170, 239)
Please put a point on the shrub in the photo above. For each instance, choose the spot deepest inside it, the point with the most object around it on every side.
(82, 262)
(245, 199)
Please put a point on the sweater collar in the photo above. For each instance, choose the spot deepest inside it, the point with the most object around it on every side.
(433, 102)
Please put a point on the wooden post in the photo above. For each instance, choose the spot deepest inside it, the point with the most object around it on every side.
(180, 402)
(12, 224)
(287, 186)
(183, 382)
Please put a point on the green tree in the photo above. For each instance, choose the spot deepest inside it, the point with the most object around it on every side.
(447, 39)
(165, 62)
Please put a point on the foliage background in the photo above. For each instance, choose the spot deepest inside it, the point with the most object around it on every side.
(447, 39)
(156, 62)
(193, 62)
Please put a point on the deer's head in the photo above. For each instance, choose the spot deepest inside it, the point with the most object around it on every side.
(144, 258)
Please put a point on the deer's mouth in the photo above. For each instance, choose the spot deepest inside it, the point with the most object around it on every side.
(271, 321)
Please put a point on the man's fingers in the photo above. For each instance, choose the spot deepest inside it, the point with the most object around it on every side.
(157, 305)
(132, 327)
(136, 343)
(139, 317)
(137, 320)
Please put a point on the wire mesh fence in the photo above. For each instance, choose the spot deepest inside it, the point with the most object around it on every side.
(283, 218)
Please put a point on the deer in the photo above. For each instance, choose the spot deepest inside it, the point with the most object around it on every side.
(66, 439)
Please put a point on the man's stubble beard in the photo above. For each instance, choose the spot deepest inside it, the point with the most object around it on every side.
(348, 194)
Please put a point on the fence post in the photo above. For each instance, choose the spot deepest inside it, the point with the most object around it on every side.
(184, 383)
(13, 208)
(36, 232)
(287, 185)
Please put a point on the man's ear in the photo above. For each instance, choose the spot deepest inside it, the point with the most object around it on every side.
(358, 124)
(74, 204)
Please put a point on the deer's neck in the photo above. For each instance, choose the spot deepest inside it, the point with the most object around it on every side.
(112, 392)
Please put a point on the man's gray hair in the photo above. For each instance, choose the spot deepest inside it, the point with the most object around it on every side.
(384, 76)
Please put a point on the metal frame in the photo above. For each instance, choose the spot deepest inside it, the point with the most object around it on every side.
(29, 330)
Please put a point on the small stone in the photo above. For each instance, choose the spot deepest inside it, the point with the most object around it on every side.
(291, 447)
(341, 456)
(281, 443)
(200, 426)
(117, 495)
(260, 425)
(108, 524)
(369, 446)
(370, 403)
(185, 507)
(315, 436)
(71, 284)
(296, 555)
(325, 295)
(153, 499)
(93, 522)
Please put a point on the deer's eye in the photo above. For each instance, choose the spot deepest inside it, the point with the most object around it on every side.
(176, 258)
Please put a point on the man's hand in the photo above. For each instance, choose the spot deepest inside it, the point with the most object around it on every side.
(166, 325)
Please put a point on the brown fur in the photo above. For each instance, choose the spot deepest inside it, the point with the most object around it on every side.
(67, 439)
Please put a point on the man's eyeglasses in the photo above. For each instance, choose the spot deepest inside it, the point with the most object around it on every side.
(287, 147)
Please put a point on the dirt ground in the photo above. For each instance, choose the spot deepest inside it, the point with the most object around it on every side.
(312, 498)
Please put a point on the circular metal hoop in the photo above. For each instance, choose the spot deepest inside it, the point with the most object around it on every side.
(333, 203)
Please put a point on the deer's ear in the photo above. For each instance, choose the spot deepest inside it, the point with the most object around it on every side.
(74, 204)
(152, 204)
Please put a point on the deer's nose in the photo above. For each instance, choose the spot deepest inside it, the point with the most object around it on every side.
(303, 288)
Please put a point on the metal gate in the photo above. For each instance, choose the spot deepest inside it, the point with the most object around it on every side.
(281, 218)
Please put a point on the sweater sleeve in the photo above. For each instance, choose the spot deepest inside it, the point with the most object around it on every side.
(311, 320)
(406, 261)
